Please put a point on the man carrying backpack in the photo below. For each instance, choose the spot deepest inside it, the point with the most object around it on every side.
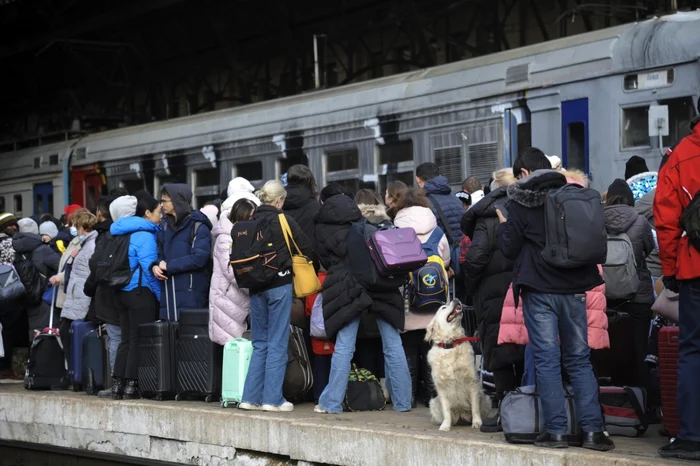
(677, 215)
(554, 301)
(184, 250)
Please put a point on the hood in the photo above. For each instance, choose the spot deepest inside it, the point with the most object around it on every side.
(181, 194)
(24, 243)
(211, 212)
(486, 208)
(124, 206)
(227, 205)
(438, 185)
(531, 191)
(103, 227)
(240, 186)
(222, 227)
(298, 196)
(90, 236)
(27, 225)
(619, 218)
(338, 210)
(642, 184)
(575, 177)
(476, 196)
(421, 219)
(374, 214)
(128, 225)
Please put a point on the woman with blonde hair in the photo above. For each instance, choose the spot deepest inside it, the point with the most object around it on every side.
(270, 307)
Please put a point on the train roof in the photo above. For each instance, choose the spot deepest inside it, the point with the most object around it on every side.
(648, 44)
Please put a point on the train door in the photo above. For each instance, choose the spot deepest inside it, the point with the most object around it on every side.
(518, 132)
(43, 198)
(93, 190)
(574, 134)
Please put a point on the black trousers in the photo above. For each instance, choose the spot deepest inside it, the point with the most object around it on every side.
(416, 349)
(64, 331)
(507, 378)
(11, 319)
(136, 307)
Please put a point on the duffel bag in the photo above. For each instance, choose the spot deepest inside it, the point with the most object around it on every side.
(624, 410)
(364, 392)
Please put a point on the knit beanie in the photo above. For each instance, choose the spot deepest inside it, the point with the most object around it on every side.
(621, 188)
(634, 166)
(7, 219)
(69, 209)
(49, 229)
(27, 225)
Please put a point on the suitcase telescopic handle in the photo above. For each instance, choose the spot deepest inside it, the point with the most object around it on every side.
(53, 305)
(167, 300)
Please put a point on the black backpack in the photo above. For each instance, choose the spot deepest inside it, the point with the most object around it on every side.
(574, 221)
(112, 266)
(253, 255)
(690, 221)
(361, 264)
(34, 282)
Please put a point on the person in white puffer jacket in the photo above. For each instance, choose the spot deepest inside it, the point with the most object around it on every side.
(238, 188)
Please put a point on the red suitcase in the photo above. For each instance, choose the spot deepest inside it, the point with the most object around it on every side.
(668, 375)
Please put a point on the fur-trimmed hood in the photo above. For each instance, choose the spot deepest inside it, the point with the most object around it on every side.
(531, 191)
(375, 214)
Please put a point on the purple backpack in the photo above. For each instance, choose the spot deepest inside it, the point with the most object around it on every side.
(396, 251)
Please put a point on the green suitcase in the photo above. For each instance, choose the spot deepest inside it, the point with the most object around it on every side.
(237, 353)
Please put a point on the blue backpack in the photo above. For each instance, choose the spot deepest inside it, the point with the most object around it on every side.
(428, 286)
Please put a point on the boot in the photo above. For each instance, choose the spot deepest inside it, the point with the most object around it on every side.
(131, 390)
(117, 391)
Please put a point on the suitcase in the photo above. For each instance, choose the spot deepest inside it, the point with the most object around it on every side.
(199, 360)
(157, 368)
(298, 378)
(668, 375)
(237, 354)
(78, 329)
(96, 371)
(614, 363)
(47, 364)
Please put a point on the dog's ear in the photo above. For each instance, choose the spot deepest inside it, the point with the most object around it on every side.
(429, 330)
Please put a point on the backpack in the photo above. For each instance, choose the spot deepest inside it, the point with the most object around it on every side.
(620, 268)
(364, 392)
(361, 264)
(428, 286)
(112, 266)
(34, 282)
(574, 221)
(690, 221)
(253, 256)
(318, 324)
(210, 262)
(11, 286)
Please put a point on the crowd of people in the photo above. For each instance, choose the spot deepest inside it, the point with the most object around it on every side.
(539, 324)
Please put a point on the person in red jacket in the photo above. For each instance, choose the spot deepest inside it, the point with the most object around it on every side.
(679, 183)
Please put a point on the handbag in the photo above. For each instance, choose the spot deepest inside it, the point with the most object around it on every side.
(666, 305)
(11, 286)
(303, 273)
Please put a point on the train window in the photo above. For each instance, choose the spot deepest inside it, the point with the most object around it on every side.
(18, 204)
(206, 186)
(342, 160)
(207, 177)
(407, 177)
(395, 152)
(680, 112)
(294, 157)
(649, 80)
(251, 171)
(53, 159)
(484, 159)
(576, 144)
(132, 186)
(524, 136)
(37, 162)
(449, 159)
(635, 127)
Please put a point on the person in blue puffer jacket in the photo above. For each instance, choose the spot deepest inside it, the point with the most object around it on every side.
(184, 252)
(137, 302)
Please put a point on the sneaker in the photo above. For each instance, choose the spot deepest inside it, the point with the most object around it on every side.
(682, 449)
(319, 410)
(548, 440)
(285, 407)
(599, 441)
(249, 406)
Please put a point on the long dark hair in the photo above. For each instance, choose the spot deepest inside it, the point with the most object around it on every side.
(146, 203)
(243, 209)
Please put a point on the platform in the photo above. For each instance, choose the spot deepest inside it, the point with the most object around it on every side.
(192, 432)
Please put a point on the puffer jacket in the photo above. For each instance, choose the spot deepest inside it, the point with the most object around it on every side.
(238, 188)
(302, 206)
(422, 220)
(439, 189)
(624, 219)
(228, 305)
(77, 304)
(65, 262)
(513, 330)
(645, 208)
(642, 184)
(186, 254)
(488, 275)
(33, 248)
(143, 251)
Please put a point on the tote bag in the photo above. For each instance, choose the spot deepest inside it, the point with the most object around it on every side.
(304, 275)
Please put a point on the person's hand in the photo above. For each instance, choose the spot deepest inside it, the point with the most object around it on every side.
(74, 253)
(501, 218)
(450, 273)
(670, 283)
(55, 280)
(158, 273)
(163, 266)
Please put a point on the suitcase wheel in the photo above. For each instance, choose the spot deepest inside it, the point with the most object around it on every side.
(208, 399)
(75, 387)
(159, 397)
(224, 404)
(29, 383)
(179, 397)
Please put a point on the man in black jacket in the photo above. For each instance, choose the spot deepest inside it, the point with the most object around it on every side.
(554, 306)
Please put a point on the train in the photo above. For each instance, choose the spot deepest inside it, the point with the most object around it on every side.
(585, 98)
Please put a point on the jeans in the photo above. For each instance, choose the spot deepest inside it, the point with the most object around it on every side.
(395, 366)
(689, 360)
(529, 377)
(550, 318)
(135, 307)
(270, 315)
(115, 338)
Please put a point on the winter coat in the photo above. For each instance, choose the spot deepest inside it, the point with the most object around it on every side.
(103, 305)
(33, 248)
(645, 208)
(238, 188)
(513, 330)
(679, 181)
(488, 275)
(65, 262)
(624, 219)
(77, 304)
(422, 220)
(522, 239)
(343, 297)
(642, 184)
(229, 305)
(185, 252)
(143, 252)
(302, 206)
(439, 189)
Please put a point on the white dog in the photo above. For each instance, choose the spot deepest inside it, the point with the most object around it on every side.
(454, 373)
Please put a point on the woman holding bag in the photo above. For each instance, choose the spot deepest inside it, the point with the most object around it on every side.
(270, 306)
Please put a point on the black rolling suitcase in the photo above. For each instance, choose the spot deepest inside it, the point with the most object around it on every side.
(199, 360)
(157, 368)
(97, 371)
(47, 364)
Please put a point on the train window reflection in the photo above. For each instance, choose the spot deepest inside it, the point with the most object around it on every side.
(395, 152)
(635, 127)
(576, 145)
(635, 122)
(342, 160)
(251, 171)
(680, 113)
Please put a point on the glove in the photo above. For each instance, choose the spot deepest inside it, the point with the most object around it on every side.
(670, 283)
